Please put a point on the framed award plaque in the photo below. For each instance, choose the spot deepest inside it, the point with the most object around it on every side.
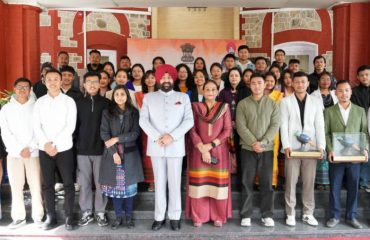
(349, 147)
(308, 149)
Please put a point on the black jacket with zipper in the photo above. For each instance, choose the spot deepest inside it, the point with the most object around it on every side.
(89, 115)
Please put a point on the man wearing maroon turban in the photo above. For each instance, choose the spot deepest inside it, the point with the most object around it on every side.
(166, 117)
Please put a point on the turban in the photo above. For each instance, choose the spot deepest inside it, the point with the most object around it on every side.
(165, 68)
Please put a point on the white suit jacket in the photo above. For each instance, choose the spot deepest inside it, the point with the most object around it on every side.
(166, 113)
(290, 123)
(317, 94)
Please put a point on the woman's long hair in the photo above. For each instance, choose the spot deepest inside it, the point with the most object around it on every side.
(227, 82)
(204, 65)
(189, 81)
(114, 106)
(111, 65)
(157, 58)
(139, 66)
(109, 78)
(144, 86)
(287, 71)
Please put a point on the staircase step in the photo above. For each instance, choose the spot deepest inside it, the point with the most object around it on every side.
(144, 204)
(231, 230)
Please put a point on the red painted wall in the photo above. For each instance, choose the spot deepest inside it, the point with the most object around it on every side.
(322, 38)
(95, 39)
(351, 39)
(20, 43)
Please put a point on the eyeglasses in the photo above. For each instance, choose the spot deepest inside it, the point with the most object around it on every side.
(25, 88)
(92, 82)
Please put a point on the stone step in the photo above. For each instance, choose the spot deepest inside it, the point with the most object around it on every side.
(144, 204)
(231, 230)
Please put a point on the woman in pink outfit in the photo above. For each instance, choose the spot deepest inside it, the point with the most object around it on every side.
(208, 196)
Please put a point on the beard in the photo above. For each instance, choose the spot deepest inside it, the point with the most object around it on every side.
(166, 87)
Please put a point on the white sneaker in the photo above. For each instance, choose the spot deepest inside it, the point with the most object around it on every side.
(246, 222)
(58, 187)
(310, 220)
(268, 222)
(290, 220)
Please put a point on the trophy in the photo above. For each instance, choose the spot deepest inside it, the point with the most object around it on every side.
(349, 147)
(308, 148)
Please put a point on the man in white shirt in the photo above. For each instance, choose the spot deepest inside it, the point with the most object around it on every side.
(23, 156)
(54, 123)
(166, 116)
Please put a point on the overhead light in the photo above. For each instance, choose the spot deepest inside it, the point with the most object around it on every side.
(197, 9)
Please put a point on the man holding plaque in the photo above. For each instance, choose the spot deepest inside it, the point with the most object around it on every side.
(303, 139)
(344, 117)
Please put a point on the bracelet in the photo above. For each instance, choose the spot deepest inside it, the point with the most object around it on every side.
(213, 144)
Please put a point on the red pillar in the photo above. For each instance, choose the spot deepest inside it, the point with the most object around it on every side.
(2, 46)
(19, 43)
(351, 38)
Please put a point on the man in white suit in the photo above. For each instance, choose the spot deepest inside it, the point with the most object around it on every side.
(166, 117)
(301, 113)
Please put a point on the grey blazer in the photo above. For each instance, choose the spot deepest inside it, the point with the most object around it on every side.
(128, 134)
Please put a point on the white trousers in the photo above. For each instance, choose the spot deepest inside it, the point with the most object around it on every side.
(167, 170)
(18, 170)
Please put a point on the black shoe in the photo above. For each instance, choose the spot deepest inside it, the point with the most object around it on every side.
(69, 224)
(354, 223)
(102, 220)
(116, 223)
(50, 223)
(85, 219)
(175, 225)
(158, 225)
(130, 222)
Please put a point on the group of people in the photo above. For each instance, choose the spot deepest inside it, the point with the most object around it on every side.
(115, 129)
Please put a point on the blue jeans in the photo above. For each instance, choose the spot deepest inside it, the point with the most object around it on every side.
(336, 174)
(129, 204)
(365, 174)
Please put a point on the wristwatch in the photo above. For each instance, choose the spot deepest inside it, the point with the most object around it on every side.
(213, 144)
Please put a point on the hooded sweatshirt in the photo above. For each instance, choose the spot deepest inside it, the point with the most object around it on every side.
(16, 122)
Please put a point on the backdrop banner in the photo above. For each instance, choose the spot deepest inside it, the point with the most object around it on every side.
(176, 51)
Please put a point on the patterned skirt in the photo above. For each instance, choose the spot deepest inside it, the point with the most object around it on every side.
(120, 190)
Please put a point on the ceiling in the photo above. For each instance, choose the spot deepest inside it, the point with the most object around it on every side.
(52, 4)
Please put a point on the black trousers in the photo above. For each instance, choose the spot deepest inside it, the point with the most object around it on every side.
(58, 176)
(64, 162)
(260, 164)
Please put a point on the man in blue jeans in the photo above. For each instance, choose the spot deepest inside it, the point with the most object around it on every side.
(344, 117)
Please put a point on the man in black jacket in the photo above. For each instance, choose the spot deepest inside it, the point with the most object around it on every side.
(94, 58)
(361, 97)
(68, 74)
(39, 87)
(90, 149)
(319, 63)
